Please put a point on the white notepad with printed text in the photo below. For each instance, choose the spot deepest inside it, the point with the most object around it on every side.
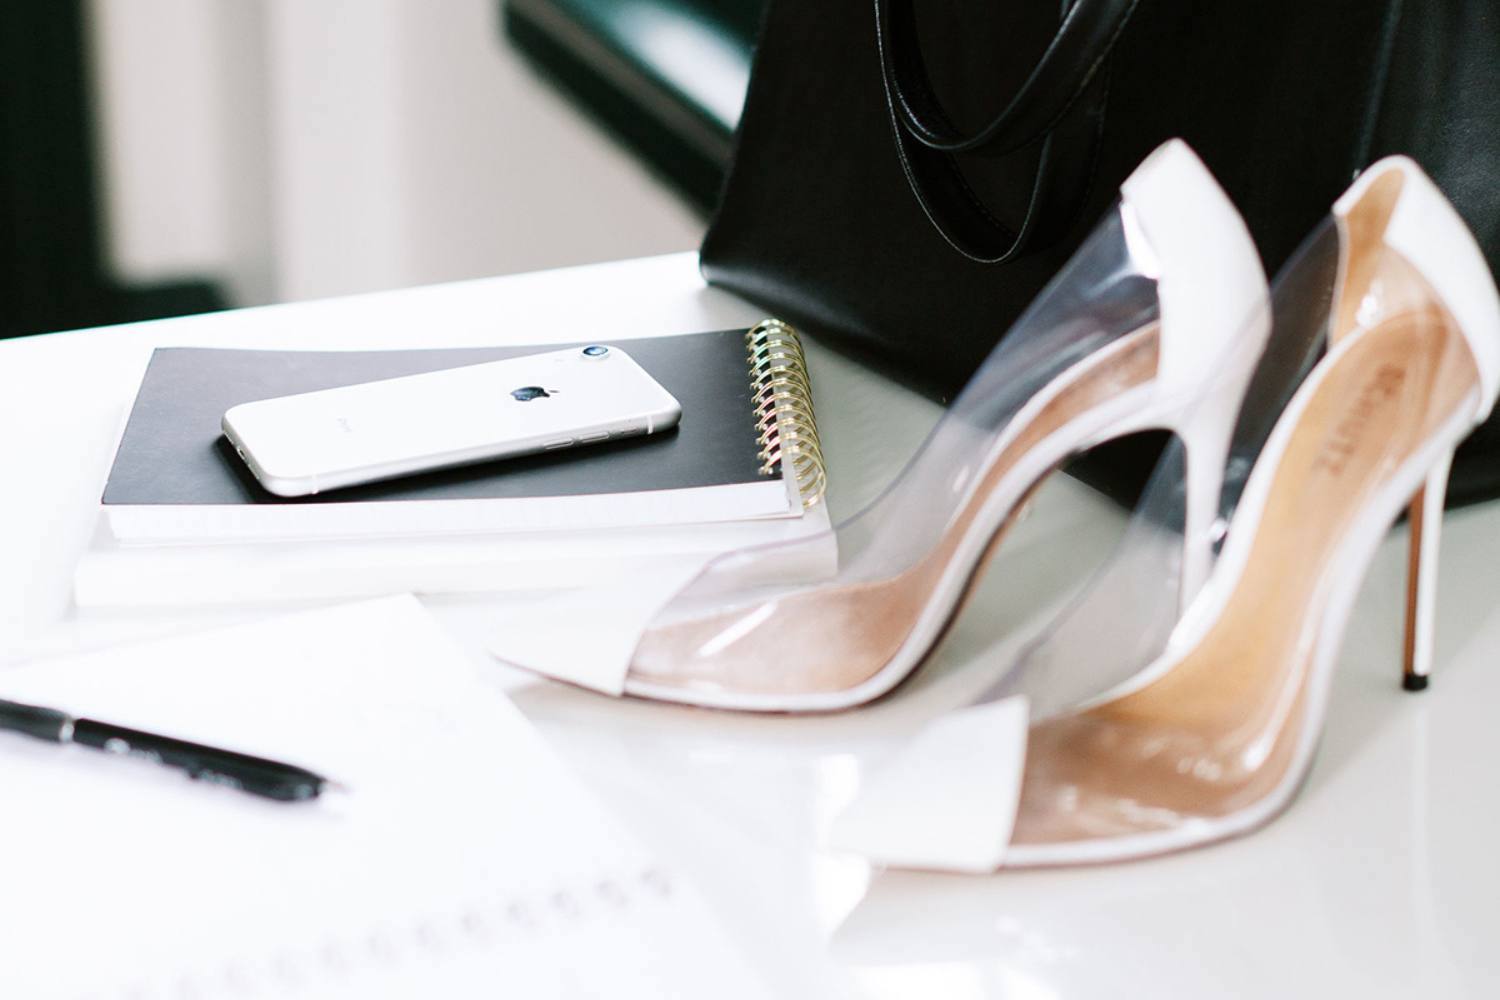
(463, 861)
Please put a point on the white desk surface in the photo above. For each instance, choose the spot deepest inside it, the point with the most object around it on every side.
(1383, 880)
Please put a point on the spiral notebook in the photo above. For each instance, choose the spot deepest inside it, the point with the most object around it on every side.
(746, 448)
(184, 523)
(463, 860)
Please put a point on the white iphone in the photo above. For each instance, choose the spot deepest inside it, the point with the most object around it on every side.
(315, 441)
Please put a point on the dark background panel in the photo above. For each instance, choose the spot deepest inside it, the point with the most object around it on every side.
(53, 275)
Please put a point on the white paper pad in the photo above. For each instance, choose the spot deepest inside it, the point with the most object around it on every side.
(464, 860)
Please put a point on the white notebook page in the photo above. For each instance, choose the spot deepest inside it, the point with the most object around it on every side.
(463, 860)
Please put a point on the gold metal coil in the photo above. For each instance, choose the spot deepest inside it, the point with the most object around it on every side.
(781, 396)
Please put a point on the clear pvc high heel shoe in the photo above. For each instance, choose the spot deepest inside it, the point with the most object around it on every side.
(1156, 323)
(1213, 738)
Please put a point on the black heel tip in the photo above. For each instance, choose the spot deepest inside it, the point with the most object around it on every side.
(1414, 682)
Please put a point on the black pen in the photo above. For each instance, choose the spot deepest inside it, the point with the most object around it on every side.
(255, 775)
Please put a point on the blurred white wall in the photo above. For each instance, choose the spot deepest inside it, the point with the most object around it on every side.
(295, 150)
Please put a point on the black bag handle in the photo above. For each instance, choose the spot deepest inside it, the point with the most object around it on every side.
(1061, 103)
(1084, 39)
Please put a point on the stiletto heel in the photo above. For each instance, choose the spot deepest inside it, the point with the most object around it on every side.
(1425, 523)
(1214, 738)
(1156, 323)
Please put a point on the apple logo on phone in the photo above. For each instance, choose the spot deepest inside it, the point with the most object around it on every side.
(527, 393)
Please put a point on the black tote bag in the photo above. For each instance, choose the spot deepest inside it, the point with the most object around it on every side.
(905, 181)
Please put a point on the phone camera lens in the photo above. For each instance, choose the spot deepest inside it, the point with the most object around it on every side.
(595, 351)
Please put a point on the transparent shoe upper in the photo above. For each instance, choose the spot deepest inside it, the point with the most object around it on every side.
(879, 570)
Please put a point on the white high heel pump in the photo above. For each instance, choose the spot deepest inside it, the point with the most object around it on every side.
(1214, 738)
(1157, 322)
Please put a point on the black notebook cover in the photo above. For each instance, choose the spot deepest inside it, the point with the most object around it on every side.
(173, 451)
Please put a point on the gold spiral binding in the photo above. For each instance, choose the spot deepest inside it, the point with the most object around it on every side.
(786, 429)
